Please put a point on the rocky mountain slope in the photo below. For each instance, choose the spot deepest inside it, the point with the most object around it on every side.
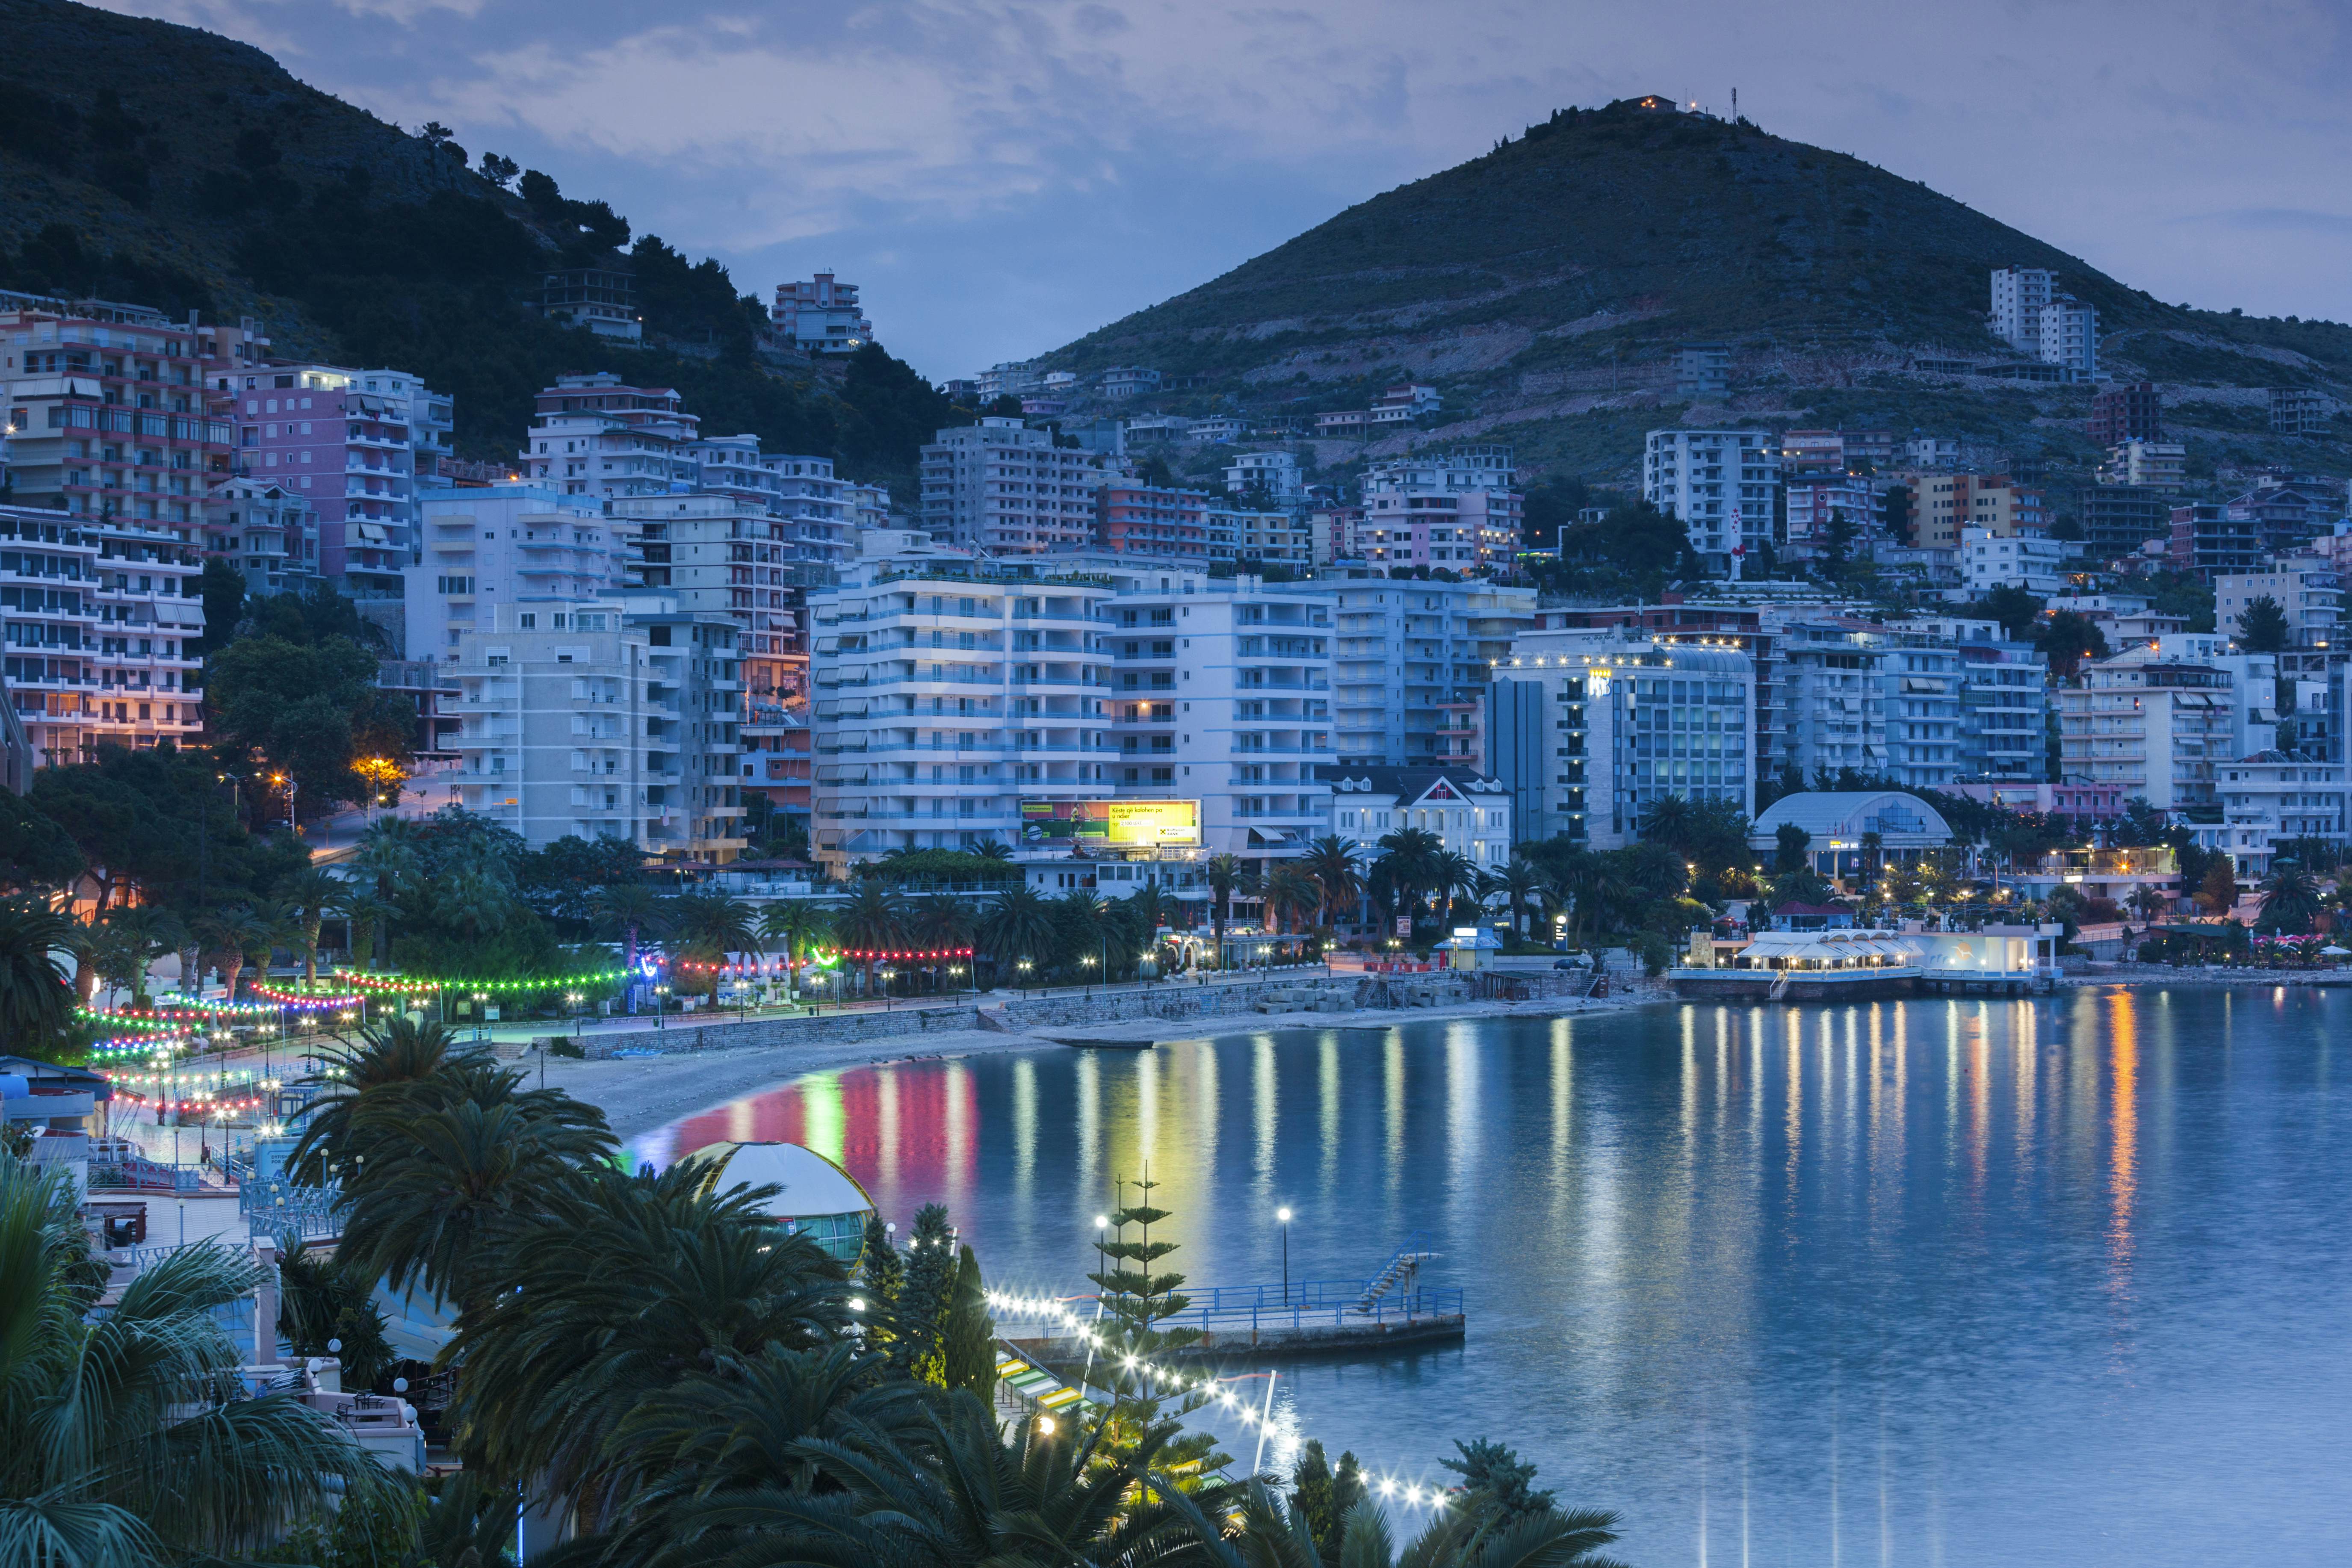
(1545, 287)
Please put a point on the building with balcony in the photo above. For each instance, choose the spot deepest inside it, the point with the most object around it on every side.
(151, 621)
(1249, 537)
(2019, 297)
(1148, 519)
(524, 545)
(2033, 562)
(718, 555)
(2308, 590)
(2003, 701)
(269, 533)
(2118, 520)
(614, 718)
(1221, 692)
(1458, 508)
(1274, 476)
(2274, 796)
(2154, 723)
(1718, 484)
(2130, 412)
(49, 626)
(595, 436)
(1829, 514)
(2160, 466)
(116, 411)
(352, 443)
(2214, 539)
(819, 515)
(943, 695)
(1832, 698)
(1410, 664)
(1004, 488)
(601, 298)
(1628, 720)
(821, 315)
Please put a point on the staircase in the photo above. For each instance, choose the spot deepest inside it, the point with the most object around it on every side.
(1398, 1271)
(1780, 985)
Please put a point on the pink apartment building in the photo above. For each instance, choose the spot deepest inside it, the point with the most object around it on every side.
(354, 444)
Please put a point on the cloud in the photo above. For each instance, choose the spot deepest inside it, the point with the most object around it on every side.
(1015, 172)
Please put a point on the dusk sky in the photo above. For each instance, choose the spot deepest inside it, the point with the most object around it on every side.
(1002, 177)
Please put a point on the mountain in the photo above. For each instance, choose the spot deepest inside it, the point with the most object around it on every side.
(1545, 286)
(166, 166)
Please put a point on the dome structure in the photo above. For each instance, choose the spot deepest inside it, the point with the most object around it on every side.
(815, 1197)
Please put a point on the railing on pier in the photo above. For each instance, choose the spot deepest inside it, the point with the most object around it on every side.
(276, 1207)
(1307, 1303)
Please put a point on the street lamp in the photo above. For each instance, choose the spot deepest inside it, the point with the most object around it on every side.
(571, 998)
(1283, 1216)
(481, 1015)
(661, 1004)
(1023, 967)
(887, 976)
(1086, 963)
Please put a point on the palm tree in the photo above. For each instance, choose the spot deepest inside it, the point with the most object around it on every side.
(123, 1438)
(622, 1288)
(874, 918)
(275, 925)
(390, 851)
(1225, 873)
(711, 926)
(1521, 878)
(2290, 899)
(311, 892)
(226, 935)
(2149, 902)
(632, 911)
(131, 939)
(995, 849)
(1457, 876)
(36, 1003)
(941, 922)
(1336, 864)
(1410, 858)
(1292, 893)
(392, 1055)
(366, 919)
(1668, 820)
(799, 925)
(1019, 925)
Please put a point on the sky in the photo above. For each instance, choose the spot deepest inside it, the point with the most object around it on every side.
(999, 178)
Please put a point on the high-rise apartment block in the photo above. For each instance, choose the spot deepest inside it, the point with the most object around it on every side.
(2069, 337)
(1148, 520)
(1222, 693)
(1002, 488)
(2020, 294)
(2117, 519)
(2157, 722)
(821, 315)
(1703, 371)
(1628, 720)
(1459, 510)
(487, 547)
(355, 444)
(595, 436)
(1410, 664)
(2149, 465)
(817, 517)
(614, 718)
(271, 534)
(1718, 484)
(717, 554)
(942, 697)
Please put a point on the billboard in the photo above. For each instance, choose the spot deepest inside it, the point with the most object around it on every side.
(1112, 824)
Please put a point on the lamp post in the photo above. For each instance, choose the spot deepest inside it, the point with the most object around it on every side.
(1088, 964)
(481, 1015)
(661, 1004)
(887, 976)
(1023, 967)
(1283, 1216)
(571, 998)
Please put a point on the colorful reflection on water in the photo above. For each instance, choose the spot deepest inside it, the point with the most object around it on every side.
(1962, 1282)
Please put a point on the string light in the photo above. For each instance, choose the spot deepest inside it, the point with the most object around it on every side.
(1048, 1308)
(417, 986)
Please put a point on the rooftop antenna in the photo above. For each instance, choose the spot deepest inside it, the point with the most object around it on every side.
(1735, 106)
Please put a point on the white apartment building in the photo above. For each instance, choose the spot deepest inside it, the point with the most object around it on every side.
(49, 617)
(488, 548)
(1469, 813)
(2031, 561)
(2151, 465)
(1002, 488)
(943, 696)
(2004, 697)
(1718, 484)
(2157, 724)
(1631, 719)
(1124, 381)
(2020, 295)
(1410, 664)
(821, 315)
(2308, 589)
(1833, 698)
(1277, 473)
(2070, 336)
(1010, 379)
(1459, 510)
(802, 492)
(1246, 536)
(1222, 693)
(614, 717)
(716, 554)
(595, 436)
(2272, 797)
(150, 618)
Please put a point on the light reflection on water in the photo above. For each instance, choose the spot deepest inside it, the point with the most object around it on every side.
(1956, 1281)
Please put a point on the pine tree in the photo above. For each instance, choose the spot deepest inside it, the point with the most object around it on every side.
(882, 1276)
(968, 1358)
(928, 1290)
(1326, 1499)
(1136, 1301)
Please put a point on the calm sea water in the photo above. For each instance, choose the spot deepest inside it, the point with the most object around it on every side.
(1979, 1282)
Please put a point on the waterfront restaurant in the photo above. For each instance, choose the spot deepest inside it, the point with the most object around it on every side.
(1845, 829)
(1819, 965)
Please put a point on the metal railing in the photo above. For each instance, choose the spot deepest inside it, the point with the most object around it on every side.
(1312, 1303)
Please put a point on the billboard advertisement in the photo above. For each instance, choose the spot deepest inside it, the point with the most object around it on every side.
(1112, 824)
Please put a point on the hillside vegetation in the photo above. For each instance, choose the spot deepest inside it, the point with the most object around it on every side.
(166, 165)
(1545, 286)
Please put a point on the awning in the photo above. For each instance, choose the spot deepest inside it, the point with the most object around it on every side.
(370, 533)
(1272, 836)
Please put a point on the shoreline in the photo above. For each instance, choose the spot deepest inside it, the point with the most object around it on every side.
(639, 1095)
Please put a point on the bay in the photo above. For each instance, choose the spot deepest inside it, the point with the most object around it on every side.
(1954, 1281)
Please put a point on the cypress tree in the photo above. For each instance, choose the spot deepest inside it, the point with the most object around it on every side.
(924, 1295)
(969, 1360)
(882, 1274)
